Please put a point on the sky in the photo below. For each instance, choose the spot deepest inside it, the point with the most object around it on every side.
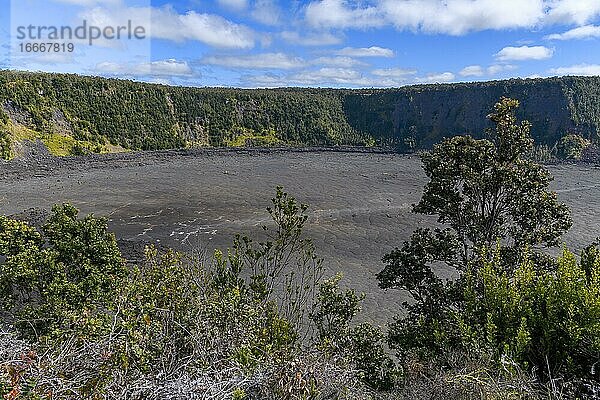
(316, 43)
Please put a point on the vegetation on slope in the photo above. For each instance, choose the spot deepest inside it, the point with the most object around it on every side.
(146, 117)
(101, 113)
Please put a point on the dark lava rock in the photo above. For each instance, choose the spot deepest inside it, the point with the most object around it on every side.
(35, 217)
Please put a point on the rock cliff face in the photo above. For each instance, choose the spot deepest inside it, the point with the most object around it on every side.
(137, 115)
(423, 115)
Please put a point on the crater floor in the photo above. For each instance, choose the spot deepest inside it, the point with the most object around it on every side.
(359, 202)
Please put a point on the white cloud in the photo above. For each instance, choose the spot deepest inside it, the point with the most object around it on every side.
(160, 81)
(311, 39)
(211, 29)
(343, 62)
(373, 51)
(88, 3)
(472, 70)
(393, 72)
(582, 32)
(237, 5)
(117, 16)
(110, 67)
(166, 23)
(453, 17)
(28, 60)
(336, 14)
(267, 80)
(163, 68)
(280, 61)
(338, 77)
(169, 67)
(497, 68)
(257, 61)
(577, 12)
(524, 53)
(457, 17)
(266, 12)
(580, 69)
(437, 78)
(479, 71)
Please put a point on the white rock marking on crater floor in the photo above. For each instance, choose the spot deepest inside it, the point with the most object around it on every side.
(577, 189)
(119, 208)
(146, 230)
(159, 212)
(201, 230)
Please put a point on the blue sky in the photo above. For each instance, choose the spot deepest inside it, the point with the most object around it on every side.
(325, 43)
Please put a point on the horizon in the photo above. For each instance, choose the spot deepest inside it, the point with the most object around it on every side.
(345, 44)
(409, 85)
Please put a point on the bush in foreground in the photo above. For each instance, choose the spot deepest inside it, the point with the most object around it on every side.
(60, 280)
(236, 325)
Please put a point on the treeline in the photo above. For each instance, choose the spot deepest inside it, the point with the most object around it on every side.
(142, 116)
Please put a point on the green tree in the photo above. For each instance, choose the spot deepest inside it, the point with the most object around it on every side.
(284, 267)
(57, 279)
(361, 345)
(571, 147)
(546, 320)
(482, 192)
(333, 312)
(5, 143)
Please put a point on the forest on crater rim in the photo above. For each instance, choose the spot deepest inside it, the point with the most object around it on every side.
(95, 114)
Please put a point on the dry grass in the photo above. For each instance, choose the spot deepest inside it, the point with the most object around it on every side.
(83, 370)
